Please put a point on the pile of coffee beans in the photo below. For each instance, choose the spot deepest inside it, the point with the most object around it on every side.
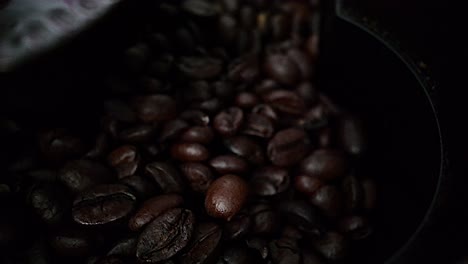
(214, 146)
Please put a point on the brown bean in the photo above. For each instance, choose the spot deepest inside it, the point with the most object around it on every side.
(226, 196)
(189, 152)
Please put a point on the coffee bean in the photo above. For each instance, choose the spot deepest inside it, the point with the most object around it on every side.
(137, 134)
(329, 199)
(47, 203)
(260, 245)
(226, 196)
(245, 69)
(172, 130)
(266, 86)
(286, 101)
(152, 208)
(71, 243)
(198, 175)
(282, 69)
(195, 117)
(312, 46)
(370, 194)
(204, 246)
(265, 221)
(355, 227)
(318, 117)
(228, 29)
(125, 160)
(325, 164)
(280, 26)
(309, 257)
(303, 216)
(198, 134)
(198, 91)
(308, 92)
(57, 145)
(100, 148)
(189, 152)
(230, 5)
(226, 164)
(166, 177)
(224, 89)
(351, 135)
(154, 108)
(211, 106)
(247, 16)
(111, 260)
(103, 204)
(332, 246)
(352, 192)
(200, 8)
(238, 227)
(228, 121)
(136, 57)
(258, 125)
(165, 236)
(142, 187)
(306, 184)
(246, 100)
(246, 148)
(292, 232)
(200, 68)
(269, 181)
(284, 251)
(80, 175)
(125, 247)
(288, 147)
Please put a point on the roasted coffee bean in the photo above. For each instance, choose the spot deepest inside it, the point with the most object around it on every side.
(352, 192)
(370, 193)
(284, 251)
(200, 8)
(332, 246)
(142, 187)
(260, 245)
(329, 199)
(200, 68)
(226, 164)
(125, 160)
(308, 92)
(198, 134)
(282, 69)
(189, 152)
(266, 111)
(136, 57)
(325, 164)
(100, 147)
(247, 16)
(265, 221)
(195, 117)
(166, 177)
(152, 208)
(198, 175)
(266, 86)
(211, 106)
(120, 111)
(246, 148)
(168, 234)
(238, 254)
(246, 100)
(228, 122)
(226, 196)
(317, 117)
(47, 203)
(312, 46)
(292, 232)
(71, 243)
(244, 70)
(125, 247)
(172, 130)
(228, 29)
(204, 246)
(198, 91)
(111, 260)
(355, 227)
(43, 175)
(325, 138)
(302, 215)
(285, 101)
(303, 62)
(238, 227)
(288, 147)
(80, 175)
(57, 145)
(280, 26)
(351, 135)
(137, 134)
(258, 125)
(154, 108)
(152, 85)
(224, 89)
(306, 184)
(103, 204)
(230, 5)
(269, 180)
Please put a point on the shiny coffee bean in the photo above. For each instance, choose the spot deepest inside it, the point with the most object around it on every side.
(318, 117)
(103, 204)
(125, 160)
(238, 227)
(352, 192)
(189, 152)
(228, 122)
(125, 247)
(265, 221)
(165, 236)
(306, 184)
(120, 111)
(141, 186)
(303, 216)
(80, 175)
(205, 244)
(332, 246)
(266, 86)
(210, 106)
(329, 199)
(288, 147)
(227, 164)
(166, 177)
(152, 208)
(226, 196)
(286, 101)
(200, 68)
(198, 175)
(246, 148)
(269, 181)
(198, 134)
(325, 164)
(355, 227)
(258, 125)
(351, 134)
(282, 69)
(154, 108)
(71, 243)
(172, 130)
(284, 251)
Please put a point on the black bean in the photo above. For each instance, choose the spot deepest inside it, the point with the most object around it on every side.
(238, 227)
(142, 187)
(286, 101)
(282, 69)
(329, 199)
(303, 216)
(166, 177)
(352, 192)
(125, 160)
(200, 8)
(80, 175)
(325, 164)
(332, 246)
(355, 227)
(198, 134)
(226, 196)
(125, 247)
(288, 147)
(260, 245)
(284, 251)
(196, 117)
(71, 243)
(265, 221)
(306, 184)
(172, 130)
(205, 244)
(200, 68)
(269, 181)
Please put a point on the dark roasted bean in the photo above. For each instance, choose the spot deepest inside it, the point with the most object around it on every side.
(325, 164)
(200, 8)
(266, 111)
(270, 180)
(244, 70)
(152, 208)
(332, 246)
(302, 216)
(258, 125)
(247, 148)
(247, 16)
(229, 121)
(198, 134)
(226, 196)
(125, 247)
(141, 186)
(79, 175)
(280, 26)
(306, 184)
(100, 147)
(309, 257)
(166, 177)
(312, 46)
(198, 175)
(282, 69)
(103, 204)
(238, 227)
(198, 91)
(370, 193)
(352, 192)
(204, 246)
(266, 86)
(168, 234)
(351, 135)
(154, 108)
(308, 93)
(119, 111)
(224, 89)
(356, 227)
(200, 68)
(329, 199)
(260, 245)
(303, 62)
(227, 164)
(189, 152)
(292, 232)
(286, 101)
(210, 106)
(284, 251)
(288, 147)
(111, 260)
(172, 129)
(228, 29)
(71, 243)
(137, 134)
(265, 221)
(230, 5)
